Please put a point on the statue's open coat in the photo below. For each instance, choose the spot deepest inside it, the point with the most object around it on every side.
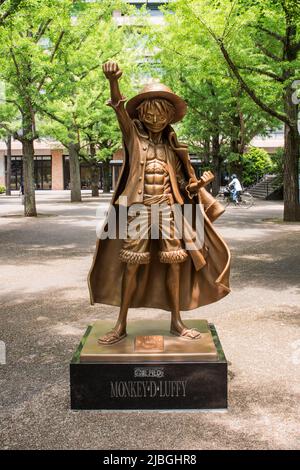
(204, 276)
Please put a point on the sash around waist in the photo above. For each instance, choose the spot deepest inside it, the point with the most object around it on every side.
(158, 199)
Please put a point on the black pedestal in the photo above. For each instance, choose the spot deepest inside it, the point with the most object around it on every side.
(148, 385)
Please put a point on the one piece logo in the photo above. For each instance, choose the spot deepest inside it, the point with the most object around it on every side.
(157, 372)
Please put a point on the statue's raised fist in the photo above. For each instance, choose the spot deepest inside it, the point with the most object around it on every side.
(207, 178)
(195, 185)
(111, 70)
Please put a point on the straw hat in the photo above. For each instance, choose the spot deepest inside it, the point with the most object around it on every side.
(157, 90)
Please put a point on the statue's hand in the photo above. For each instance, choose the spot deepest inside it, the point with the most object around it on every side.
(111, 70)
(194, 185)
(206, 178)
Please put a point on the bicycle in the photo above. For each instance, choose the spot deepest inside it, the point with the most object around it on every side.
(245, 199)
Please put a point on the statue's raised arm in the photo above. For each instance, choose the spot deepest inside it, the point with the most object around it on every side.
(113, 73)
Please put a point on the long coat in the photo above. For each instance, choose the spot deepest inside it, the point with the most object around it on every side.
(204, 276)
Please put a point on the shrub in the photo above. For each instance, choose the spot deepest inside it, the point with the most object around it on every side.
(256, 163)
(2, 189)
(277, 160)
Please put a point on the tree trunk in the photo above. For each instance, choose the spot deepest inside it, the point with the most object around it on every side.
(236, 166)
(106, 176)
(235, 145)
(291, 211)
(216, 164)
(290, 175)
(8, 167)
(28, 175)
(206, 152)
(75, 182)
(95, 174)
(95, 171)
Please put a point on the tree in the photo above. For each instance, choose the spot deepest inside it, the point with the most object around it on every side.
(103, 140)
(38, 49)
(29, 43)
(221, 119)
(259, 39)
(74, 99)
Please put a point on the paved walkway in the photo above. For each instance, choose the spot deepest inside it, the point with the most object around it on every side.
(45, 309)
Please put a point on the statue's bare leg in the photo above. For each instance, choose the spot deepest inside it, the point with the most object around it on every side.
(178, 328)
(129, 284)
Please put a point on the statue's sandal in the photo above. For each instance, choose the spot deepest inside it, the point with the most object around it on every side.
(185, 332)
(112, 337)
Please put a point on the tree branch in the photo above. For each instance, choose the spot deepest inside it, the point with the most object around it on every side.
(42, 28)
(268, 53)
(227, 29)
(7, 128)
(52, 116)
(57, 44)
(276, 77)
(15, 63)
(21, 88)
(84, 157)
(186, 56)
(15, 103)
(87, 32)
(14, 134)
(89, 125)
(95, 99)
(273, 34)
(242, 127)
(56, 47)
(196, 110)
(196, 92)
(86, 72)
(282, 117)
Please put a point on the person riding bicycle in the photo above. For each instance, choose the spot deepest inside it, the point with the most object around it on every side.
(237, 188)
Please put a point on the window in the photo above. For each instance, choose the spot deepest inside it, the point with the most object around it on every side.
(42, 172)
(16, 172)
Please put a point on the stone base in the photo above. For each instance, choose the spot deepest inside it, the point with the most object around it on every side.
(154, 371)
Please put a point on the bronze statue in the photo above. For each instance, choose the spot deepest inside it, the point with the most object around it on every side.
(157, 273)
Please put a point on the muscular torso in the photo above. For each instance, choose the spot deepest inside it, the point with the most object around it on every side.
(157, 180)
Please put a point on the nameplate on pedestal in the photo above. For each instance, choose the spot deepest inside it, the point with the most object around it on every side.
(149, 343)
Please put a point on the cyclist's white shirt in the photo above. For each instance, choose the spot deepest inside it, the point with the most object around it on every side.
(236, 184)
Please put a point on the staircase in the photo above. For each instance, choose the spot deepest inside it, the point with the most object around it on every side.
(264, 189)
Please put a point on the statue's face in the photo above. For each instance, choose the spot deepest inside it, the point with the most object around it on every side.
(154, 120)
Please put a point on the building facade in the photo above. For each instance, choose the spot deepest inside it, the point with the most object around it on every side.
(48, 165)
(52, 171)
(51, 167)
